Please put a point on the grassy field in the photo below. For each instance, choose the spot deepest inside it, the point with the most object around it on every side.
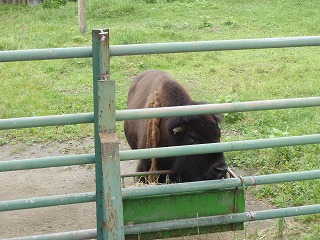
(65, 86)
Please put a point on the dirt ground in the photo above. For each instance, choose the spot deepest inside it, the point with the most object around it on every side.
(76, 179)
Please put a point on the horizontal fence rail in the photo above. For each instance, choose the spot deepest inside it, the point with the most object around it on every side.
(186, 223)
(223, 219)
(34, 163)
(45, 54)
(220, 184)
(42, 121)
(14, 123)
(48, 201)
(218, 147)
(160, 48)
(72, 235)
(217, 45)
(13, 165)
(218, 108)
(177, 188)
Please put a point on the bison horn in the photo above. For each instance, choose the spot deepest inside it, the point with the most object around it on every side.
(177, 130)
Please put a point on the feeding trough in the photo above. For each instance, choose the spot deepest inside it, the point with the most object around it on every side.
(181, 209)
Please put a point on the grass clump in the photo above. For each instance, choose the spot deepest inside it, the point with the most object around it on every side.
(53, 3)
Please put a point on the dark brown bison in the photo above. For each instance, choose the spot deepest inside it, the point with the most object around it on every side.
(158, 89)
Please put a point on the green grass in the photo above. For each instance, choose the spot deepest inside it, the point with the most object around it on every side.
(65, 86)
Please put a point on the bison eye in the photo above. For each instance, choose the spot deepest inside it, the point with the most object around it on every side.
(192, 140)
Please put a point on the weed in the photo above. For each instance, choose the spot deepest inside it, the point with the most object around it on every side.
(230, 22)
(205, 22)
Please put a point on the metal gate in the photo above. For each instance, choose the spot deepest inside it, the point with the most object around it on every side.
(111, 200)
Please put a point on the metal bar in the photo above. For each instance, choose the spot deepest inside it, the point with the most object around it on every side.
(73, 235)
(113, 207)
(186, 223)
(24, 164)
(222, 219)
(14, 123)
(108, 184)
(107, 113)
(13, 165)
(138, 174)
(53, 120)
(218, 108)
(45, 54)
(178, 188)
(216, 45)
(98, 163)
(160, 48)
(219, 184)
(100, 206)
(56, 200)
(218, 147)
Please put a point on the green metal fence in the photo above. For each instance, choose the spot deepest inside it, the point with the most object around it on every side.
(109, 196)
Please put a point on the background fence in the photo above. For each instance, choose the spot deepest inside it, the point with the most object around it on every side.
(109, 197)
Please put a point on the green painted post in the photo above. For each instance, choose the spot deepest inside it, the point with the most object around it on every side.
(108, 182)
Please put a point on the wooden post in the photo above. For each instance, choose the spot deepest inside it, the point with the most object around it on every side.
(82, 15)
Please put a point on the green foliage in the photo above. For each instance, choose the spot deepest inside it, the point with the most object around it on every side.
(54, 3)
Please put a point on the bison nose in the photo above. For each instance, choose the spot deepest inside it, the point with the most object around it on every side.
(220, 172)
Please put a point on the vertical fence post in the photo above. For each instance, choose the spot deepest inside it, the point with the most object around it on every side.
(108, 182)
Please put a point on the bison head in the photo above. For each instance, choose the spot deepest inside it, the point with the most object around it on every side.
(191, 130)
